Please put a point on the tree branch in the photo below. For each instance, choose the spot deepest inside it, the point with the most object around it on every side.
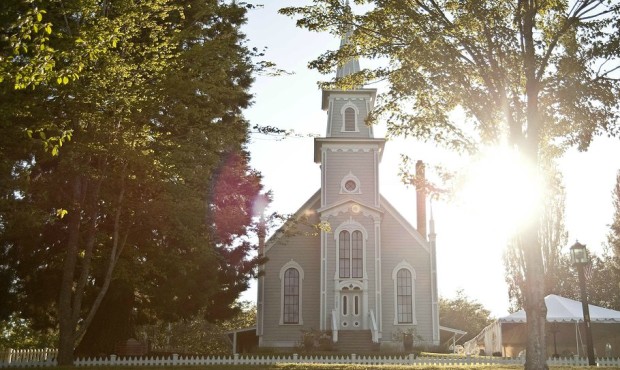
(112, 261)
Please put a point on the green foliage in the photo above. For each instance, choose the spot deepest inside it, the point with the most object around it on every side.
(603, 288)
(27, 58)
(471, 54)
(561, 279)
(560, 276)
(197, 335)
(464, 314)
(17, 333)
(613, 238)
(316, 340)
(127, 162)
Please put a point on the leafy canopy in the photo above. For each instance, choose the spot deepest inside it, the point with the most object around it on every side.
(439, 55)
(153, 191)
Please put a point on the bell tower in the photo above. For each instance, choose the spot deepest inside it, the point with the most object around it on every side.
(349, 151)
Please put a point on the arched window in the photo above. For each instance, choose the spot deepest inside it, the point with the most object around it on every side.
(351, 254)
(349, 119)
(357, 257)
(291, 296)
(404, 296)
(345, 254)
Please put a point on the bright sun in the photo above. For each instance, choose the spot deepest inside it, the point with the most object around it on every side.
(499, 190)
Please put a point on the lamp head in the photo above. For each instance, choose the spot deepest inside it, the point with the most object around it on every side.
(579, 254)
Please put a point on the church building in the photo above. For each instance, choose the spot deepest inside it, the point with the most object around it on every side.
(348, 264)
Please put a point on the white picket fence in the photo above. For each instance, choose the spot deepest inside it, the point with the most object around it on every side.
(27, 356)
(47, 357)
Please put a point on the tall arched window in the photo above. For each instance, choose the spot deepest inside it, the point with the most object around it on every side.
(357, 258)
(349, 119)
(351, 254)
(404, 296)
(404, 277)
(345, 255)
(291, 296)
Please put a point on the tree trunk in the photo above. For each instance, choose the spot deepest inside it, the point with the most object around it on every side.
(535, 309)
(534, 299)
(70, 308)
(66, 329)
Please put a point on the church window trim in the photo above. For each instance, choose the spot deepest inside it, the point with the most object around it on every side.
(404, 308)
(349, 114)
(354, 251)
(350, 184)
(291, 302)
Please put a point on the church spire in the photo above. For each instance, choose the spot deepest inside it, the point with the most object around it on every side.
(353, 64)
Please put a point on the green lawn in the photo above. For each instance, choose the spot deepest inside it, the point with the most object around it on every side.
(323, 367)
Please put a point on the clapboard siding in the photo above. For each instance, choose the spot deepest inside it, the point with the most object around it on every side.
(337, 102)
(397, 245)
(303, 248)
(358, 163)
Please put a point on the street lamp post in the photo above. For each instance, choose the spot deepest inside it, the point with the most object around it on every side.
(580, 258)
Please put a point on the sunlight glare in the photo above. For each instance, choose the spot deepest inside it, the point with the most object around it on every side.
(499, 192)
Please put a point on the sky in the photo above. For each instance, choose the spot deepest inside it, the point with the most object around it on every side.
(470, 239)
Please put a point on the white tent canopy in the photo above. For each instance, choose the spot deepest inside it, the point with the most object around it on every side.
(560, 309)
(500, 334)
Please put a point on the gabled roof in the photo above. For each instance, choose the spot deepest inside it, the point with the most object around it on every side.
(561, 309)
(316, 197)
(412, 230)
(389, 208)
(342, 205)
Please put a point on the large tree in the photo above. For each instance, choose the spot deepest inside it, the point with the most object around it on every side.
(540, 74)
(463, 313)
(560, 275)
(552, 237)
(153, 188)
(613, 238)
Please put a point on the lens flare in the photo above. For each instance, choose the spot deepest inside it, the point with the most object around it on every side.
(501, 191)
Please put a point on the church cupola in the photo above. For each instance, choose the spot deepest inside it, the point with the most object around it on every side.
(347, 110)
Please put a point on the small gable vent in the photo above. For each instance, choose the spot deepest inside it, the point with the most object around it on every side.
(350, 184)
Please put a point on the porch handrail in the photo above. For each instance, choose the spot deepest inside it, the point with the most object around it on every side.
(374, 330)
(334, 326)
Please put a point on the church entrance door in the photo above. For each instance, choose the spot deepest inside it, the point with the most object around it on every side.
(351, 310)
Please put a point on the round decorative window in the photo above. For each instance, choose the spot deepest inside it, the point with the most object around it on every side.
(350, 185)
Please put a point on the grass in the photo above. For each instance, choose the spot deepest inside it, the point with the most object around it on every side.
(325, 367)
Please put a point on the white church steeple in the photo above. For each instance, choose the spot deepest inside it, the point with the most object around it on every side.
(352, 65)
(347, 110)
(349, 150)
